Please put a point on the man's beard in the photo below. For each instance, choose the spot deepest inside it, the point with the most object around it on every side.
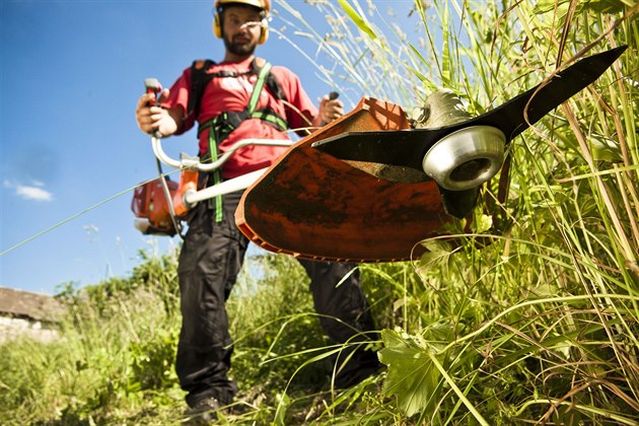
(240, 49)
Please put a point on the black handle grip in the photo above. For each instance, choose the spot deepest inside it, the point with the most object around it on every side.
(333, 96)
(153, 85)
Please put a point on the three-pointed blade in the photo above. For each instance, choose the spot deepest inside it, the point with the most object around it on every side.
(408, 147)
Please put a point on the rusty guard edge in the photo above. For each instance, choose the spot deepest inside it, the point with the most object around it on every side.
(312, 205)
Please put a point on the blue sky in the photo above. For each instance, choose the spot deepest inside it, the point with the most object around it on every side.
(71, 72)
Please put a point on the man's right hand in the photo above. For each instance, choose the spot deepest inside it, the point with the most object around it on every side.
(154, 119)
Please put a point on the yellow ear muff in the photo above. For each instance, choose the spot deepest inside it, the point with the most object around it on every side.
(264, 34)
(217, 26)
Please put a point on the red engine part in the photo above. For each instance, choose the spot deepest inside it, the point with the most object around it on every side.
(150, 205)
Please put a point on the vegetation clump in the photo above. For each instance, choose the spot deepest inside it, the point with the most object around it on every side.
(528, 313)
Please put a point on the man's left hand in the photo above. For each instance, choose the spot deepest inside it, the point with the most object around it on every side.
(329, 110)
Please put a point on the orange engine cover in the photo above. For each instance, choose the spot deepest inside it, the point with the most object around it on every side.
(149, 202)
(312, 205)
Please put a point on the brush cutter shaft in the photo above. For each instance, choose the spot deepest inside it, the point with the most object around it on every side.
(236, 184)
(209, 167)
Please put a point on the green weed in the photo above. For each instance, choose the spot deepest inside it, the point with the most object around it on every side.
(532, 317)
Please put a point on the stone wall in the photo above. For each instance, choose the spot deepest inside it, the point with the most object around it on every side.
(32, 315)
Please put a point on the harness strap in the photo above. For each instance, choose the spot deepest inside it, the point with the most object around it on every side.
(216, 175)
(257, 89)
(199, 80)
(200, 77)
(271, 118)
(230, 120)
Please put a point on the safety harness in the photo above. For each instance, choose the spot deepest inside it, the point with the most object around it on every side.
(223, 124)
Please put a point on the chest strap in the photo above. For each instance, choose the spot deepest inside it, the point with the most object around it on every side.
(228, 121)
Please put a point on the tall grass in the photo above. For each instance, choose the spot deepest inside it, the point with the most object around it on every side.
(114, 362)
(542, 324)
(533, 317)
(114, 358)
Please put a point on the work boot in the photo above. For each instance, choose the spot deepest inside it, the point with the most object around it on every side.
(362, 365)
(203, 411)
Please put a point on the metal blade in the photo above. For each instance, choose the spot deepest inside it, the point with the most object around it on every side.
(408, 147)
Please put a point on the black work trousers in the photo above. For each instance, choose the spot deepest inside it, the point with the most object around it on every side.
(210, 260)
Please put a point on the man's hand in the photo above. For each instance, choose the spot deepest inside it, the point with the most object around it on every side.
(329, 110)
(153, 119)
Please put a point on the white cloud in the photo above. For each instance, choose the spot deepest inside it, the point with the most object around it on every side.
(35, 191)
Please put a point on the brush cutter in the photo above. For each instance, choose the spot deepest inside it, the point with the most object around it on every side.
(369, 186)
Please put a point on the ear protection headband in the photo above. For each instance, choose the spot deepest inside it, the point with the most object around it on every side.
(217, 26)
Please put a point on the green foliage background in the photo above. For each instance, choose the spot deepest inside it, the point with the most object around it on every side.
(531, 317)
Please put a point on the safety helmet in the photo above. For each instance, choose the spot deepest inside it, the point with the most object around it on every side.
(263, 5)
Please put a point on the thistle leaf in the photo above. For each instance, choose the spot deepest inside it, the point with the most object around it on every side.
(412, 377)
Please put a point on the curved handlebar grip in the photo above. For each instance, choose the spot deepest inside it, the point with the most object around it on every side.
(156, 145)
(152, 85)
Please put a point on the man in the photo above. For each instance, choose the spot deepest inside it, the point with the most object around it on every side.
(233, 107)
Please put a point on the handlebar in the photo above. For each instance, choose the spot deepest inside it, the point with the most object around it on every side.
(187, 162)
(188, 195)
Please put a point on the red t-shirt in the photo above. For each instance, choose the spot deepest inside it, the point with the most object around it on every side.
(233, 94)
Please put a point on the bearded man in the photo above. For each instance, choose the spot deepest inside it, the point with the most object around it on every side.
(243, 97)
